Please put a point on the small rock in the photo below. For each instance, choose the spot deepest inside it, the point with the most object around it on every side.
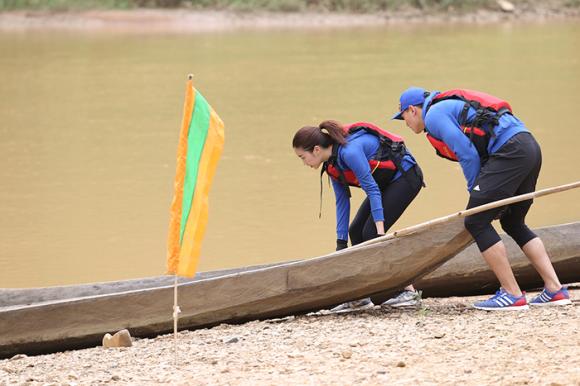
(346, 354)
(281, 320)
(232, 340)
(439, 335)
(506, 6)
(120, 339)
(115, 378)
(18, 356)
(401, 364)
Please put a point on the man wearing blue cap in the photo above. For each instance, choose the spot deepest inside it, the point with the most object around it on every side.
(499, 158)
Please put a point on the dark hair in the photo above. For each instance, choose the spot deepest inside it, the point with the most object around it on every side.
(326, 134)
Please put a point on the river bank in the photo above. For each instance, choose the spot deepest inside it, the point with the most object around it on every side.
(186, 20)
(446, 342)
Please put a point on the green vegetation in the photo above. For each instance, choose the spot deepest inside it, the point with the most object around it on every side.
(358, 6)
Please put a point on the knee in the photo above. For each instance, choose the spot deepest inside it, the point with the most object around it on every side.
(509, 225)
(482, 232)
(475, 225)
(518, 231)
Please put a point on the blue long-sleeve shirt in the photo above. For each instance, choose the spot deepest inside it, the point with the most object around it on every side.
(442, 122)
(355, 155)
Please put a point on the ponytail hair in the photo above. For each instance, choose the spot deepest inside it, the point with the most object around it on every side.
(326, 134)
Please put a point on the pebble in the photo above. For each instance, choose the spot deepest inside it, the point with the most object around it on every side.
(506, 6)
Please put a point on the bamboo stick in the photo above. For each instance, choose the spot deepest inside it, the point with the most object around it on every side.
(472, 211)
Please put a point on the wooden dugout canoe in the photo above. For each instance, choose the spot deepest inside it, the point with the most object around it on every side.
(275, 291)
(465, 274)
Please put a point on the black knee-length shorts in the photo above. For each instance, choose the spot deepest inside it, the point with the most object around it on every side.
(511, 171)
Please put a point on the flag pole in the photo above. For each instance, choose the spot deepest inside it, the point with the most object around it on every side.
(176, 312)
(200, 145)
(176, 309)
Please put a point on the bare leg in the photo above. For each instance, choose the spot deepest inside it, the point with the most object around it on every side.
(496, 258)
(536, 252)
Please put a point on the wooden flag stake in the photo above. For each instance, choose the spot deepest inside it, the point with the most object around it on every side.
(176, 309)
(176, 312)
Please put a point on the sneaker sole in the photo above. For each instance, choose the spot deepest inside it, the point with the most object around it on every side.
(403, 304)
(561, 302)
(511, 308)
(367, 307)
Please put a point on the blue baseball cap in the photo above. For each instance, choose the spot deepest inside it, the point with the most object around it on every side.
(410, 97)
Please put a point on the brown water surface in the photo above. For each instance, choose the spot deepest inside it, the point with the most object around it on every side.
(90, 120)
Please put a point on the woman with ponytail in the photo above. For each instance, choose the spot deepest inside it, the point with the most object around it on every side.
(363, 155)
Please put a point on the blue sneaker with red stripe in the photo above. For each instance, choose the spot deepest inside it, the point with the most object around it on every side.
(503, 301)
(547, 298)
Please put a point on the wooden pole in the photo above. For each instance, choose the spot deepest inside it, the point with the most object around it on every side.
(176, 309)
(472, 211)
(176, 312)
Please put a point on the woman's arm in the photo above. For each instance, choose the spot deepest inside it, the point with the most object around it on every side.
(356, 160)
(342, 211)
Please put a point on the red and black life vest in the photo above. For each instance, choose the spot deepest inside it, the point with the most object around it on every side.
(488, 109)
(383, 165)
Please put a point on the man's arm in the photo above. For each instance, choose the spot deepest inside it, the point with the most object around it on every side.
(444, 126)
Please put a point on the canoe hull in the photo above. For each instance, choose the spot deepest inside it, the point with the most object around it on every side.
(144, 306)
(465, 274)
(276, 291)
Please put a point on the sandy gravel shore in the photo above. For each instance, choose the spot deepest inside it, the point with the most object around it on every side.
(183, 20)
(445, 342)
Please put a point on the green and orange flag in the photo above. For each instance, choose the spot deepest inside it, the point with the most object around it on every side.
(201, 142)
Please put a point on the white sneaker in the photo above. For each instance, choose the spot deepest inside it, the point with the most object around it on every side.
(404, 299)
(355, 305)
